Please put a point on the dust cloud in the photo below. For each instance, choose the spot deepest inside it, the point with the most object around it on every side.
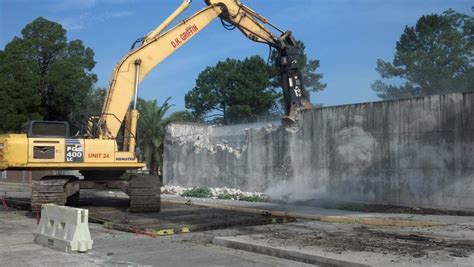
(295, 191)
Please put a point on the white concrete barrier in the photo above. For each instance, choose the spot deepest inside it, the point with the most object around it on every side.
(64, 228)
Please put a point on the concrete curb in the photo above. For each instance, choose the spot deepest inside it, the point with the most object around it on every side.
(229, 242)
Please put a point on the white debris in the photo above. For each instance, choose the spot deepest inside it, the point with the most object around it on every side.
(216, 193)
(173, 190)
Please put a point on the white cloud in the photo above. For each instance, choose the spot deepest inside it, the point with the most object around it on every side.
(118, 14)
(80, 14)
(90, 18)
(78, 5)
(65, 5)
(75, 22)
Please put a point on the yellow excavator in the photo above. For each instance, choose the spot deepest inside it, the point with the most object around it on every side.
(98, 153)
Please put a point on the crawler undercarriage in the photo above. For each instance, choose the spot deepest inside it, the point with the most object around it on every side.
(143, 190)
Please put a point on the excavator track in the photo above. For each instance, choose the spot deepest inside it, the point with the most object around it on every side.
(53, 189)
(144, 192)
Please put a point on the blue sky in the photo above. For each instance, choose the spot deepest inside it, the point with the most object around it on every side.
(347, 36)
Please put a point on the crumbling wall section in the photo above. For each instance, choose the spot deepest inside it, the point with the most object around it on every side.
(413, 152)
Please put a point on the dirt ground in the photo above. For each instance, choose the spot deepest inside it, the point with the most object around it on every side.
(382, 241)
(382, 208)
(110, 209)
(436, 243)
(443, 243)
(173, 216)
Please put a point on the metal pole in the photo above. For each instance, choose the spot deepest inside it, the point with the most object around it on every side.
(137, 81)
(168, 20)
(275, 27)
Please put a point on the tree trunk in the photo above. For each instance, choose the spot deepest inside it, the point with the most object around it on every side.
(154, 168)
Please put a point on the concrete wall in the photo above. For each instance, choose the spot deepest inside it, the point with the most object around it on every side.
(414, 152)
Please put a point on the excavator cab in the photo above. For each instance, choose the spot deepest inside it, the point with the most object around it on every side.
(54, 129)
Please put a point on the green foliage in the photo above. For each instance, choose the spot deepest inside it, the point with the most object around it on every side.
(96, 100)
(201, 192)
(311, 79)
(433, 57)
(19, 100)
(232, 91)
(225, 196)
(253, 198)
(243, 91)
(151, 132)
(183, 116)
(43, 76)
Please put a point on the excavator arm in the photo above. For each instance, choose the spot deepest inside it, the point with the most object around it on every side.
(159, 44)
(251, 24)
(44, 145)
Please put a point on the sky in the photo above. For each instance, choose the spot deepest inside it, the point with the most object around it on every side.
(347, 36)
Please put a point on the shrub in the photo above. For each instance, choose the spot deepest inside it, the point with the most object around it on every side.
(254, 198)
(201, 192)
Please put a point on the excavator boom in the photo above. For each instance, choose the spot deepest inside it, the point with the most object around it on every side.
(159, 44)
(49, 145)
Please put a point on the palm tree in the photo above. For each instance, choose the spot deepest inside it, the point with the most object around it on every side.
(151, 132)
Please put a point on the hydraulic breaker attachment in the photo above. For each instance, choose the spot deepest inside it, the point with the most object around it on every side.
(295, 95)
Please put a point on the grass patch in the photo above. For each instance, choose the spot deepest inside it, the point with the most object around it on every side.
(253, 199)
(201, 192)
(242, 198)
(225, 196)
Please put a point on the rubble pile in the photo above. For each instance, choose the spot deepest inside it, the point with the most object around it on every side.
(174, 190)
(218, 193)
